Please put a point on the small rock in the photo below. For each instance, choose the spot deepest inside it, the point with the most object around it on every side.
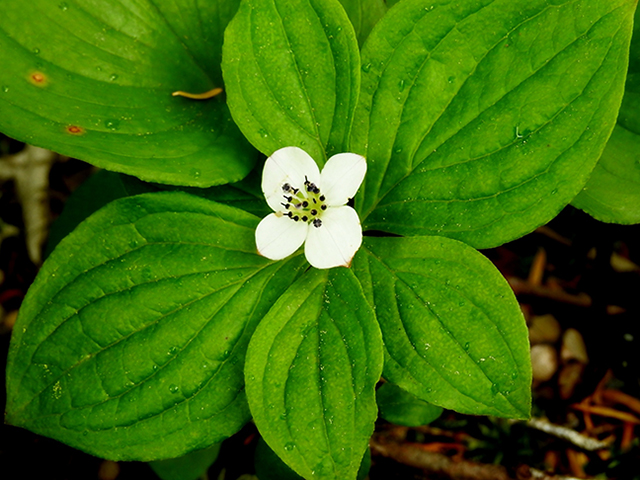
(544, 329)
(9, 320)
(544, 362)
(108, 470)
(573, 347)
(569, 377)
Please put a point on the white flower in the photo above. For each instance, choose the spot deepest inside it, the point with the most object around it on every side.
(311, 206)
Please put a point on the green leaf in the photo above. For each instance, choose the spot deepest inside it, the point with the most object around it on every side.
(630, 110)
(98, 190)
(292, 73)
(188, 467)
(246, 194)
(364, 14)
(93, 80)
(403, 408)
(612, 193)
(130, 343)
(453, 331)
(482, 119)
(104, 187)
(311, 371)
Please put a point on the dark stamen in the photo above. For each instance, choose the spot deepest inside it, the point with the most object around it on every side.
(317, 222)
(321, 197)
(285, 205)
(323, 207)
(305, 218)
(296, 218)
(305, 204)
(314, 212)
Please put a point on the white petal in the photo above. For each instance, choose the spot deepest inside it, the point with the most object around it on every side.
(336, 241)
(287, 165)
(278, 237)
(341, 177)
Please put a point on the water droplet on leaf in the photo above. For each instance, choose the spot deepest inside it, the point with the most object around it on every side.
(112, 124)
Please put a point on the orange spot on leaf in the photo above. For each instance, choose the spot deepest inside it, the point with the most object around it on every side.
(75, 130)
(38, 79)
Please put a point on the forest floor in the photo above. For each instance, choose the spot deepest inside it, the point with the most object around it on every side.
(578, 283)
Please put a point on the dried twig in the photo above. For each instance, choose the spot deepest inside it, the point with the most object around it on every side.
(576, 438)
(436, 463)
(522, 287)
(536, 474)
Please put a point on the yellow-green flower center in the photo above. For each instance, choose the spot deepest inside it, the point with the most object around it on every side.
(303, 205)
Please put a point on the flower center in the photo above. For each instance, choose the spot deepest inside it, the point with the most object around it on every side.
(303, 205)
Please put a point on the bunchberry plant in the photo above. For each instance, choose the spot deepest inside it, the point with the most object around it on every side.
(184, 307)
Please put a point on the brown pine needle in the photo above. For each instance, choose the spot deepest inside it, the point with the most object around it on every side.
(606, 412)
(536, 273)
(198, 96)
(616, 396)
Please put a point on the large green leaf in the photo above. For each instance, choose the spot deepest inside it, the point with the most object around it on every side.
(292, 73)
(453, 331)
(311, 370)
(130, 344)
(612, 194)
(93, 79)
(364, 14)
(481, 119)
